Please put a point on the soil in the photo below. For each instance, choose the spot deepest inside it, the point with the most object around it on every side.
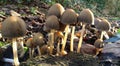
(72, 59)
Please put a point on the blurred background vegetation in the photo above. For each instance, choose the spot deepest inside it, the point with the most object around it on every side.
(104, 8)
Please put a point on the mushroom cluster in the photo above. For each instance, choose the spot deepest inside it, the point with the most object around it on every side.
(62, 30)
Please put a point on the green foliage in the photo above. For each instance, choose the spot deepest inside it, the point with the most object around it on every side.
(2, 44)
(118, 31)
(33, 10)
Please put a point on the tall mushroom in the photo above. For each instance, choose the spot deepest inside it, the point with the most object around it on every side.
(13, 27)
(86, 17)
(103, 26)
(67, 18)
(52, 22)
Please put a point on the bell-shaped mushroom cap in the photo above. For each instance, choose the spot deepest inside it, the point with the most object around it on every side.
(52, 22)
(38, 39)
(29, 43)
(69, 17)
(104, 25)
(86, 16)
(56, 9)
(98, 43)
(96, 21)
(13, 27)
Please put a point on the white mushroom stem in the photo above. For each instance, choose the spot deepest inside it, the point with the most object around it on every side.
(38, 48)
(14, 46)
(52, 42)
(102, 33)
(72, 39)
(58, 48)
(81, 38)
(65, 38)
(106, 35)
(30, 52)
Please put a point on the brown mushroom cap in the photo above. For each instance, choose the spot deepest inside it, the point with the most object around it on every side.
(52, 22)
(13, 27)
(96, 22)
(38, 39)
(56, 9)
(104, 25)
(98, 43)
(86, 16)
(69, 17)
(29, 43)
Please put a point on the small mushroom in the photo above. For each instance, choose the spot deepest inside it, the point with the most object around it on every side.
(67, 18)
(52, 22)
(56, 9)
(99, 45)
(38, 39)
(31, 46)
(86, 17)
(13, 27)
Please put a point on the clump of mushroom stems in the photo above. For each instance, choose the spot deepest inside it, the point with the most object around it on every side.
(67, 18)
(81, 38)
(64, 40)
